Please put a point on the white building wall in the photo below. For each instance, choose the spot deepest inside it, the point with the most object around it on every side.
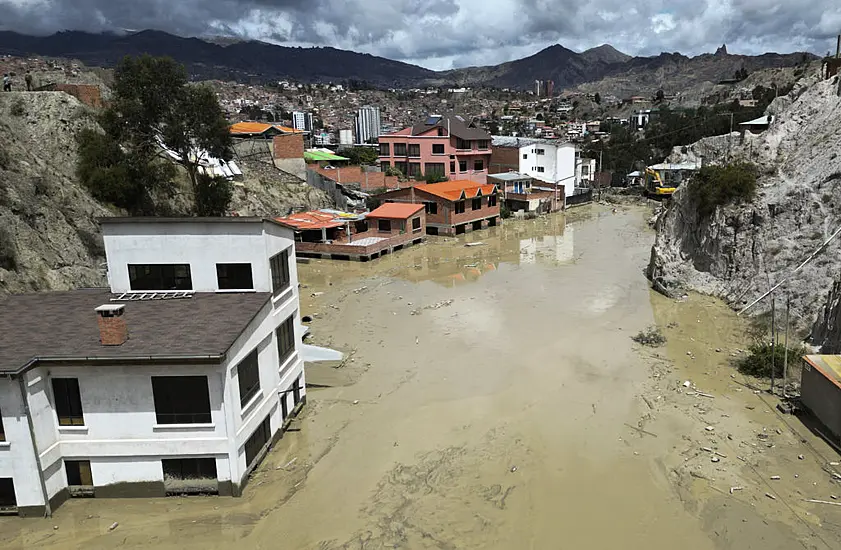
(17, 456)
(558, 163)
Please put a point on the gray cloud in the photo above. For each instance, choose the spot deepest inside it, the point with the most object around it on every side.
(442, 34)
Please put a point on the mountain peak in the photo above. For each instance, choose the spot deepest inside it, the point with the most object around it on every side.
(605, 54)
(722, 50)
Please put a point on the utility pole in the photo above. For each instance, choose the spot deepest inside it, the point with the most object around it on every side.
(773, 338)
(785, 357)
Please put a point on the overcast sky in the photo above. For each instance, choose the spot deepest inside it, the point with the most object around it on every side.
(442, 34)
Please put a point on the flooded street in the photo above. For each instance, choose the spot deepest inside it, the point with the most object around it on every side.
(493, 398)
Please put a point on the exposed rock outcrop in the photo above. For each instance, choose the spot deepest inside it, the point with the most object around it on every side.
(739, 252)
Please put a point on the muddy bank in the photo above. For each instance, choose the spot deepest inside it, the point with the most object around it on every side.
(493, 398)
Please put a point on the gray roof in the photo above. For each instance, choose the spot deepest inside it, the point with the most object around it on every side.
(510, 176)
(63, 325)
(457, 125)
(188, 219)
(512, 141)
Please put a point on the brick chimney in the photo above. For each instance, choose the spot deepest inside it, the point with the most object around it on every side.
(112, 325)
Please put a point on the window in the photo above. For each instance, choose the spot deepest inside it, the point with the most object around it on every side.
(399, 149)
(160, 277)
(463, 144)
(285, 334)
(414, 169)
(402, 166)
(414, 149)
(257, 441)
(248, 375)
(460, 207)
(416, 224)
(492, 200)
(483, 144)
(462, 166)
(452, 167)
(68, 402)
(478, 165)
(181, 399)
(234, 276)
(540, 169)
(386, 164)
(437, 148)
(476, 204)
(434, 169)
(585, 170)
(189, 468)
(539, 151)
(279, 264)
(385, 150)
(431, 207)
(7, 493)
(78, 473)
(2, 431)
(525, 156)
(384, 225)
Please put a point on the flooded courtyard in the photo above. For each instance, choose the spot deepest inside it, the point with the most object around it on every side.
(492, 397)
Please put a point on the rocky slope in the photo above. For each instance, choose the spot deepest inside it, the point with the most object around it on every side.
(742, 250)
(49, 238)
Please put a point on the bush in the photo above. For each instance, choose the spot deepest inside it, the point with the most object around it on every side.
(758, 362)
(434, 178)
(650, 337)
(213, 195)
(715, 186)
(504, 212)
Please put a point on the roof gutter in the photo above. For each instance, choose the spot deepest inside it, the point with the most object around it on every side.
(126, 360)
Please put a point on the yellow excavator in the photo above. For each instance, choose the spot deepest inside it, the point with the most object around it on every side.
(654, 186)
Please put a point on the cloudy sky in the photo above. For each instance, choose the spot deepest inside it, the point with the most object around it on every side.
(442, 34)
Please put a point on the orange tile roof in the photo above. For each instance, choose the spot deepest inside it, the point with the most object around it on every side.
(456, 189)
(311, 220)
(259, 128)
(396, 210)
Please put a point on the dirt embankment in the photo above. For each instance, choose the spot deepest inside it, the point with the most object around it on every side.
(739, 252)
(49, 238)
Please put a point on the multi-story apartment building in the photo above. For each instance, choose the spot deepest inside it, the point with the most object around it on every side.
(446, 146)
(175, 379)
(545, 160)
(368, 124)
(302, 121)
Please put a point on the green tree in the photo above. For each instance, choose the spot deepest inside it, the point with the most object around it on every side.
(213, 195)
(361, 155)
(660, 96)
(152, 105)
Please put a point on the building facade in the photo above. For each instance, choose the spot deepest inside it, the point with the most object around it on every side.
(544, 160)
(522, 192)
(177, 379)
(452, 207)
(368, 124)
(302, 121)
(447, 147)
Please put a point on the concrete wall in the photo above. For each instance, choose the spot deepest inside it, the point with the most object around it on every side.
(17, 456)
(202, 245)
(558, 163)
(822, 398)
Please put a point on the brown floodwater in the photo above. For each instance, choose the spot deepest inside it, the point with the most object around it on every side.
(493, 398)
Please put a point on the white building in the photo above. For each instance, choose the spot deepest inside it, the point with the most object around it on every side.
(542, 159)
(176, 379)
(585, 172)
(302, 121)
(345, 137)
(368, 124)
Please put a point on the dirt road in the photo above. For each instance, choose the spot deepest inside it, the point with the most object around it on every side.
(493, 398)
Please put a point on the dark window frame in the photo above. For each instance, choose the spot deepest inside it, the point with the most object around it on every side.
(452, 167)
(8, 498)
(462, 166)
(385, 150)
(170, 393)
(76, 470)
(384, 226)
(459, 209)
(255, 443)
(248, 377)
(491, 201)
(413, 150)
(415, 169)
(416, 224)
(434, 169)
(227, 275)
(431, 207)
(281, 277)
(68, 402)
(399, 150)
(478, 165)
(438, 149)
(151, 277)
(476, 204)
(2, 429)
(199, 465)
(285, 335)
(483, 144)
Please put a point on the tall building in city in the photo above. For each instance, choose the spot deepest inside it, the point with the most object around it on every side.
(302, 121)
(544, 88)
(367, 124)
(549, 87)
(538, 87)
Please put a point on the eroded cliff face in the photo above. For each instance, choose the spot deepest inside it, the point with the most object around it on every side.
(740, 251)
(49, 236)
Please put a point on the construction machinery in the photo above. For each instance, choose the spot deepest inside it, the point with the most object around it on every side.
(654, 186)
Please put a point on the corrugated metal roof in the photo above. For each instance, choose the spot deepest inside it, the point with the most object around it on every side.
(676, 166)
(316, 156)
(510, 176)
(311, 220)
(260, 127)
(828, 365)
(512, 141)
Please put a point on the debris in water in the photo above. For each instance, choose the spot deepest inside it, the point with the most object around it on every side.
(800, 457)
(715, 459)
(822, 501)
(417, 340)
(737, 488)
(513, 469)
(471, 265)
(687, 384)
(438, 305)
(775, 477)
(360, 289)
(769, 495)
(113, 526)
(477, 243)
(316, 294)
(650, 337)
(356, 401)
(709, 428)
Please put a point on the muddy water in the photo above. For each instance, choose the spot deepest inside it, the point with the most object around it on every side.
(492, 398)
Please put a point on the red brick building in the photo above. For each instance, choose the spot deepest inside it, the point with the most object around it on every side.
(452, 207)
(350, 175)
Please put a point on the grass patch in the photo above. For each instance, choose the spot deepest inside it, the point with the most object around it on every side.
(650, 337)
(758, 361)
(715, 186)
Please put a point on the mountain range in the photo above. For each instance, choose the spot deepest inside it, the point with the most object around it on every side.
(254, 61)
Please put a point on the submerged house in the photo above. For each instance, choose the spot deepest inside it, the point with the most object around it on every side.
(178, 378)
(522, 192)
(337, 235)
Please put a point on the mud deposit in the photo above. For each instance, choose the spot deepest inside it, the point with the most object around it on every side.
(493, 397)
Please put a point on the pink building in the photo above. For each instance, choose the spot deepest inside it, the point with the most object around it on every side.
(443, 145)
